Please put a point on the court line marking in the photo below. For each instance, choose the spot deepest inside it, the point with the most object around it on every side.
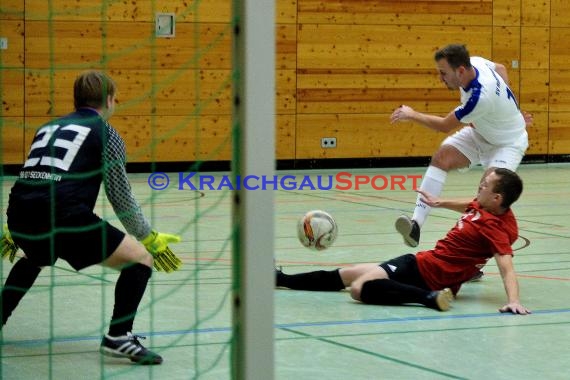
(207, 330)
(376, 354)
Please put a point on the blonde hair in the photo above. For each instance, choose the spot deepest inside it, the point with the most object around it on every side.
(91, 89)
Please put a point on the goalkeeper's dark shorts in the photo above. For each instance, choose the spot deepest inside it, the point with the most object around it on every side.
(82, 239)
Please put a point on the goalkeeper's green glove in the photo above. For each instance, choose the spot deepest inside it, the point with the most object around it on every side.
(157, 244)
(9, 248)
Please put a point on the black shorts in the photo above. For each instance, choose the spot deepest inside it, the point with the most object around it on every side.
(82, 240)
(404, 269)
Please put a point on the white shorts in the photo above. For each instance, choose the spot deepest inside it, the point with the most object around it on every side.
(480, 151)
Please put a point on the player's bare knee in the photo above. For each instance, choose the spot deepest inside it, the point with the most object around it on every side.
(347, 275)
(448, 157)
(355, 291)
(439, 161)
(140, 255)
(129, 251)
(147, 260)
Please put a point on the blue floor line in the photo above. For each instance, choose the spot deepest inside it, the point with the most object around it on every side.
(32, 342)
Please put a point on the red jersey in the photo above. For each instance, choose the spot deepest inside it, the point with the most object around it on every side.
(476, 237)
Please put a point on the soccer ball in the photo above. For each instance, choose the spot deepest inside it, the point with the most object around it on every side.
(317, 230)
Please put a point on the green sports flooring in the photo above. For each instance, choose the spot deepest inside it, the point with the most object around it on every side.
(186, 316)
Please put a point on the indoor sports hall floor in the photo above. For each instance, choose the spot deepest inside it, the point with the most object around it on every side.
(186, 316)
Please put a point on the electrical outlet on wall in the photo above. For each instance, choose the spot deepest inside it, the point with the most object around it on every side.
(328, 142)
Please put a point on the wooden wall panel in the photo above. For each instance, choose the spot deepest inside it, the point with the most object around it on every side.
(535, 48)
(285, 91)
(506, 50)
(176, 75)
(176, 138)
(328, 46)
(170, 138)
(31, 124)
(341, 68)
(286, 47)
(52, 93)
(538, 133)
(559, 133)
(286, 11)
(80, 45)
(506, 13)
(535, 13)
(371, 91)
(559, 97)
(12, 10)
(559, 106)
(12, 84)
(534, 84)
(286, 79)
(12, 129)
(559, 11)
(559, 48)
(559, 90)
(535, 90)
(506, 45)
(396, 12)
(362, 136)
(203, 11)
(358, 68)
(13, 57)
(349, 63)
(175, 92)
(285, 137)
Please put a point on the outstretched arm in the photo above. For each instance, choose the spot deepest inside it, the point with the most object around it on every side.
(437, 123)
(458, 205)
(505, 264)
(118, 188)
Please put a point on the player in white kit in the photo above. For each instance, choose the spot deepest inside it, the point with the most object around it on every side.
(493, 131)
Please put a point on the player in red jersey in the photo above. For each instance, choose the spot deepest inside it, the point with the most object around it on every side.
(486, 229)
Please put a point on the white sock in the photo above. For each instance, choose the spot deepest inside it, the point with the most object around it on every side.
(432, 183)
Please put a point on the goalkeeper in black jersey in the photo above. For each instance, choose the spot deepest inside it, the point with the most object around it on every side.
(50, 213)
